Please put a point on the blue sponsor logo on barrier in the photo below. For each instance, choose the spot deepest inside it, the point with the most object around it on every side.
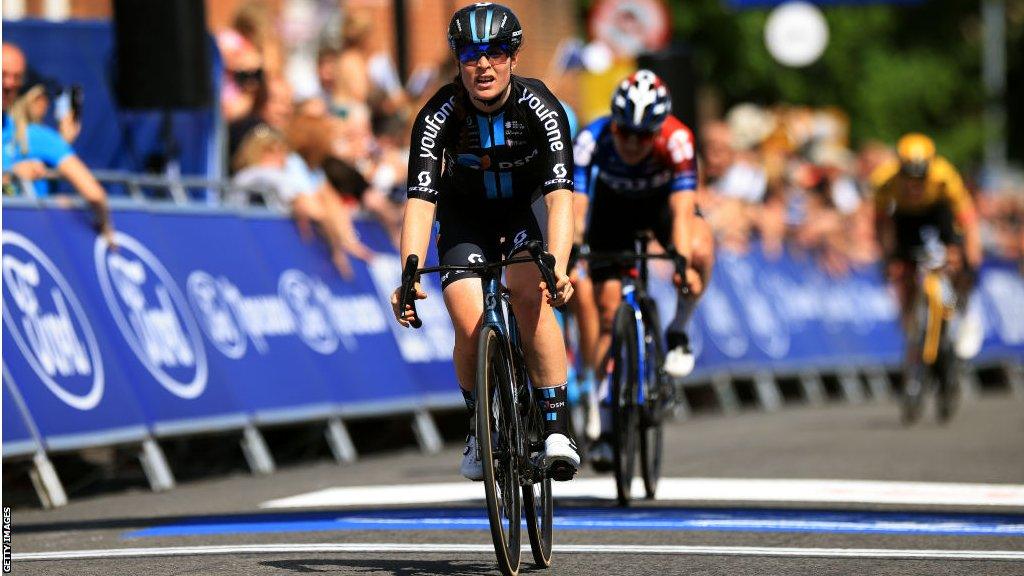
(49, 325)
(152, 315)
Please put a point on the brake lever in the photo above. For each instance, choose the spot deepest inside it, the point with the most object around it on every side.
(546, 263)
(407, 295)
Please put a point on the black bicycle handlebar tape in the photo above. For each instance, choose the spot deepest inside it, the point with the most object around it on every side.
(407, 295)
(546, 263)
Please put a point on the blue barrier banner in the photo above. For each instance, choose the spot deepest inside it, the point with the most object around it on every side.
(346, 322)
(427, 350)
(18, 438)
(148, 321)
(999, 306)
(260, 337)
(62, 359)
(784, 314)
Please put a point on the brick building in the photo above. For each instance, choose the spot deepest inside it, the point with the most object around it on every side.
(545, 22)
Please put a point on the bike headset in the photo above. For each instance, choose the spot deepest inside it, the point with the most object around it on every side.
(482, 27)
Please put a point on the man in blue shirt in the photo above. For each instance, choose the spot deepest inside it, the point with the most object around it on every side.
(31, 149)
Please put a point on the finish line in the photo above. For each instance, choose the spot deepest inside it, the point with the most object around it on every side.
(604, 519)
(1004, 555)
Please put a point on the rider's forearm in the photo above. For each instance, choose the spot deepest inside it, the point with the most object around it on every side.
(972, 244)
(682, 206)
(560, 226)
(419, 217)
(580, 205)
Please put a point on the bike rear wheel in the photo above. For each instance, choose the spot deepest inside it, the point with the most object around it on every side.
(656, 402)
(947, 374)
(625, 412)
(500, 442)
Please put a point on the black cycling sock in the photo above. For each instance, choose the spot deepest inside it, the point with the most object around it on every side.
(553, 405)
(675, 334)
(470, 398)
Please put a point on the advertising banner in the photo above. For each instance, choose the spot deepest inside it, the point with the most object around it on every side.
(18, 438)
(148, 321)
(345, 323)
(61, 357)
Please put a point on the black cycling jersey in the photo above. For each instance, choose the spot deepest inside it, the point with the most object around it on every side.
(515, 153)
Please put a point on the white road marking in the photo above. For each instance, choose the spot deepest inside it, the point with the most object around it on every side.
(1011, 555)
(686, 489)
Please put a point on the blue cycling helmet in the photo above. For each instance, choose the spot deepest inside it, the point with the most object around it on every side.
(641, 102)
(485, 23)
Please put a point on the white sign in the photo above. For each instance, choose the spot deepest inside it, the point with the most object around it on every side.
(796, 34)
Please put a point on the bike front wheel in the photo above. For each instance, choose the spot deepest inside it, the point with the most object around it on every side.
(499, 439)
(656, 402)
(625, 412)
(537, 496)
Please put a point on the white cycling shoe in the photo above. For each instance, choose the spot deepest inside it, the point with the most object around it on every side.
(679, 362)
(560, 457)
(471, 466)
(969, 335)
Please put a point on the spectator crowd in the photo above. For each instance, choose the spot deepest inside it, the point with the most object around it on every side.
(336, 142)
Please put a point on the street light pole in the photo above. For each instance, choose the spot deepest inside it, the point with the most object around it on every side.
(993, 67)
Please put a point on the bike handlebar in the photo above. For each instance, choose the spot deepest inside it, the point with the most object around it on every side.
(680, 261)
(410, 272)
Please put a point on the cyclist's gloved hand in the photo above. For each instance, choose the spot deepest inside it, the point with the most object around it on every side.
(405, 316)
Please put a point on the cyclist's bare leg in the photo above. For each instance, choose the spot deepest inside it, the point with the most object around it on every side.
(585, 308)
(542, 339)
(608, 297)
(464, 299)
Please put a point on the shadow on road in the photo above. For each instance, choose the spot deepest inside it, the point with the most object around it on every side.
(408, 567)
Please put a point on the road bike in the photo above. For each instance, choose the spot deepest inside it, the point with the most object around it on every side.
(641, 393)
(930, 362)
(509, 424)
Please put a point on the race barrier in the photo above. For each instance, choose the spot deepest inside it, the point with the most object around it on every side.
(209, 320)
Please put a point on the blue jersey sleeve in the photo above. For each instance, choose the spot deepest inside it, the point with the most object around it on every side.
(45, 144)
(583, 152)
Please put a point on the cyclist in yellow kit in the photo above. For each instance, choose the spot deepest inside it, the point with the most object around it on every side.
(919, 194)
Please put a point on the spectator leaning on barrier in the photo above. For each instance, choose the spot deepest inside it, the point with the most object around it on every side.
(266, 165)
(31, 149)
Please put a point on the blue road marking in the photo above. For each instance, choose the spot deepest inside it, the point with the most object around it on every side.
(660, 519)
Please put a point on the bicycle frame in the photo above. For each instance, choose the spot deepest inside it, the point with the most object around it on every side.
(933, 283)
(634, 286)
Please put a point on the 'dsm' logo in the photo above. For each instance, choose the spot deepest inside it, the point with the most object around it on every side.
(48, 324)
(153, 315)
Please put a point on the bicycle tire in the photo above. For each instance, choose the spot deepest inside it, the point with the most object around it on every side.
(537, 500)
(947, 375)
(655, 401)
(498, 436)
(916, 373)
(625, 412)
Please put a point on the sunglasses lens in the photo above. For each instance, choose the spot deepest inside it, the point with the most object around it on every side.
(472, 53)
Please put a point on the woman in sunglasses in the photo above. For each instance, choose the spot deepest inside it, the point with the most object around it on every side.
(636, 170)
(492, 152)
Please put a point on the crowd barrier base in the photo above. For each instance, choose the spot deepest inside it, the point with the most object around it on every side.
(853, 385)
